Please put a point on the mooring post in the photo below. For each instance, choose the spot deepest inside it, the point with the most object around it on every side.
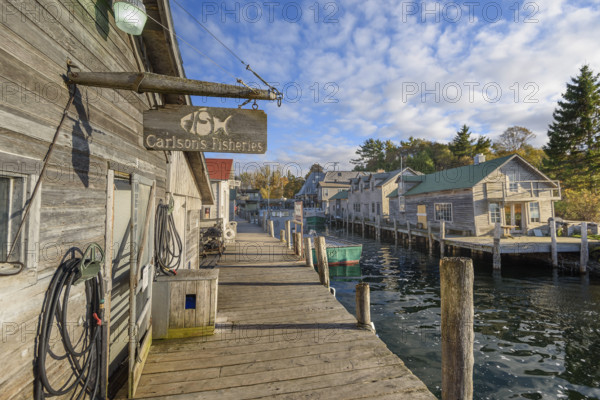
(429, 239)
(442, 238)
(497, 257)
(584, 249)
(282, 235)
(322, 264)
(299, 241)
(295, 243)
(395, 231)
(288, 233)
(456, 289)
(363, 227)
(308, 252)
(409, 233)
(553, 243)
(363, 306)
(264, 222)
(271, 228)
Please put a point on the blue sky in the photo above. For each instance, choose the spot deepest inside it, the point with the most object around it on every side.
(353, 70)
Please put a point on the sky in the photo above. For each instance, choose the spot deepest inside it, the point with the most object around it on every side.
(355, 70)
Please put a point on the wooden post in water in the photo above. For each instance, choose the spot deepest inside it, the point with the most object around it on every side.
(282, 235)
(442, 238)
(429, 239)
(584, 249)
(271, 228)
(409, 233)
(363, 227)
(456, 288)
(363, 306)
(308, 252)
(264, 222)
(288, 233)
(322, 264)
(378, 227)
(497, 256)
(395, 231)
(553, 243)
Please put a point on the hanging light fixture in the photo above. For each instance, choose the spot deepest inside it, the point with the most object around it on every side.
(130, 16)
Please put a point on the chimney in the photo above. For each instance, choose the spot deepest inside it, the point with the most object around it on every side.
(379, 171)
(478, 159)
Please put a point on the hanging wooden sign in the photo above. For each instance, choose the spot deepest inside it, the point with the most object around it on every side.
(206, 129)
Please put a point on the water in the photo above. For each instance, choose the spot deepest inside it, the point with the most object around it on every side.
(537, 333)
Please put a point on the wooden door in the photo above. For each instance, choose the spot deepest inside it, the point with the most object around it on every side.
(422, 216)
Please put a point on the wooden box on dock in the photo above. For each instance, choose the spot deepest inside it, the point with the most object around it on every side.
(185, 305)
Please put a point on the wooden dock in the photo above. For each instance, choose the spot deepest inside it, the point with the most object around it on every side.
(280, 334)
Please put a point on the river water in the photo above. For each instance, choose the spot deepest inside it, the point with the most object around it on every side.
(537, 333)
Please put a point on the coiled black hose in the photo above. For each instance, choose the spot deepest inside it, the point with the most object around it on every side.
(86, 363)
(167, 243)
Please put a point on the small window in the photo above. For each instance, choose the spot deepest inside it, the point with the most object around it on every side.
(12, 203)
(495, 215)
(373, 208)
(534, 212)
(443, 212)
(378, 208)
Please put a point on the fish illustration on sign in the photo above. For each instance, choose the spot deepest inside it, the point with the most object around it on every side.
(203, 123)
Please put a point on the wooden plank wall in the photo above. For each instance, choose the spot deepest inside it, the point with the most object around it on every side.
(103, 126)
(462, 207)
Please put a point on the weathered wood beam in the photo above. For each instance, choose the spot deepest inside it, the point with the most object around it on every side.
(148, 82)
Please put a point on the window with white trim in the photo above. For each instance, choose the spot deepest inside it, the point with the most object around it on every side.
(534, 212)
(495, 215)
(443, 212)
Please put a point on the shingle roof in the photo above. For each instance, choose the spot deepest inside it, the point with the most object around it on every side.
(342, 195)
(455, 178)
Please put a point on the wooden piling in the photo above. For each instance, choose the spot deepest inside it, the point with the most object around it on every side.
(584, 258)
(288, 233)
(271, 229)
(363, 306)
(429, 239)
(553, 243)
(363, 227)
(282, 235)
(497, 257)
(442, 238)
(264, 222)
(308, 252)
(395, 231)
(299, 241)
(409, 233)
(378, 233)
(456, 288)
(322, 264)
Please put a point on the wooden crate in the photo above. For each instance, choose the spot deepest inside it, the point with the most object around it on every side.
(185, 305)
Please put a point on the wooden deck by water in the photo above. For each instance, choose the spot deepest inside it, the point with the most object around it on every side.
(281, 335)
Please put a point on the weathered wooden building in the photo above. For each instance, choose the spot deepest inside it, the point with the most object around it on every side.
(368, 194)
(220, 172)
(338, 204)
(100, 180)
(334, 182)
(473, 198)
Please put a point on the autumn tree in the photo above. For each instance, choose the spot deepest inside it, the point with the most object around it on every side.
(513, 139)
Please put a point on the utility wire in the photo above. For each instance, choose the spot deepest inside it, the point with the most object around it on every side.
(275, 90)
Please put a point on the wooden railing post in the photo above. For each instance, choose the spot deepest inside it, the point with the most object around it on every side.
(553, 243)
(363, 306)
(308, 252)
(282, 235)
(299, 244)
(322, 264)
(271, 228)
(288, 233)
(456, 288)
(584, 249)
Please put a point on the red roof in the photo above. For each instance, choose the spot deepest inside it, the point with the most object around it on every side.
(219, 169)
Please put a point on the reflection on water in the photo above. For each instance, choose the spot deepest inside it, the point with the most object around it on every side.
(537, 334)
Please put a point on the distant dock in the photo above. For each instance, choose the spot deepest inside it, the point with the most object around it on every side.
(279, 334)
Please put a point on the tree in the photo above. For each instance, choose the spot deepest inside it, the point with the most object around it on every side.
(573, 148)
(292, 187)
(462, 144)
(579, 205)
(513, 139)
(371, 156)
(316, 167)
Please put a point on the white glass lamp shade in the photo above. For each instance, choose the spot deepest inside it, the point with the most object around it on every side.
(130, 16)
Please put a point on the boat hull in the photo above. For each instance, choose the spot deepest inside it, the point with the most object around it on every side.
(346, 255)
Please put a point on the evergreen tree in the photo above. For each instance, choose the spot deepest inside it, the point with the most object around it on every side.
(371, 155)
(573, 148)
(462, 144)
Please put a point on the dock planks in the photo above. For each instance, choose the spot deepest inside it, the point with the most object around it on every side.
(280, 334)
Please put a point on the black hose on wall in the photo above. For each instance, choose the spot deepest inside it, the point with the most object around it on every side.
(167, 242)
(85, 355)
